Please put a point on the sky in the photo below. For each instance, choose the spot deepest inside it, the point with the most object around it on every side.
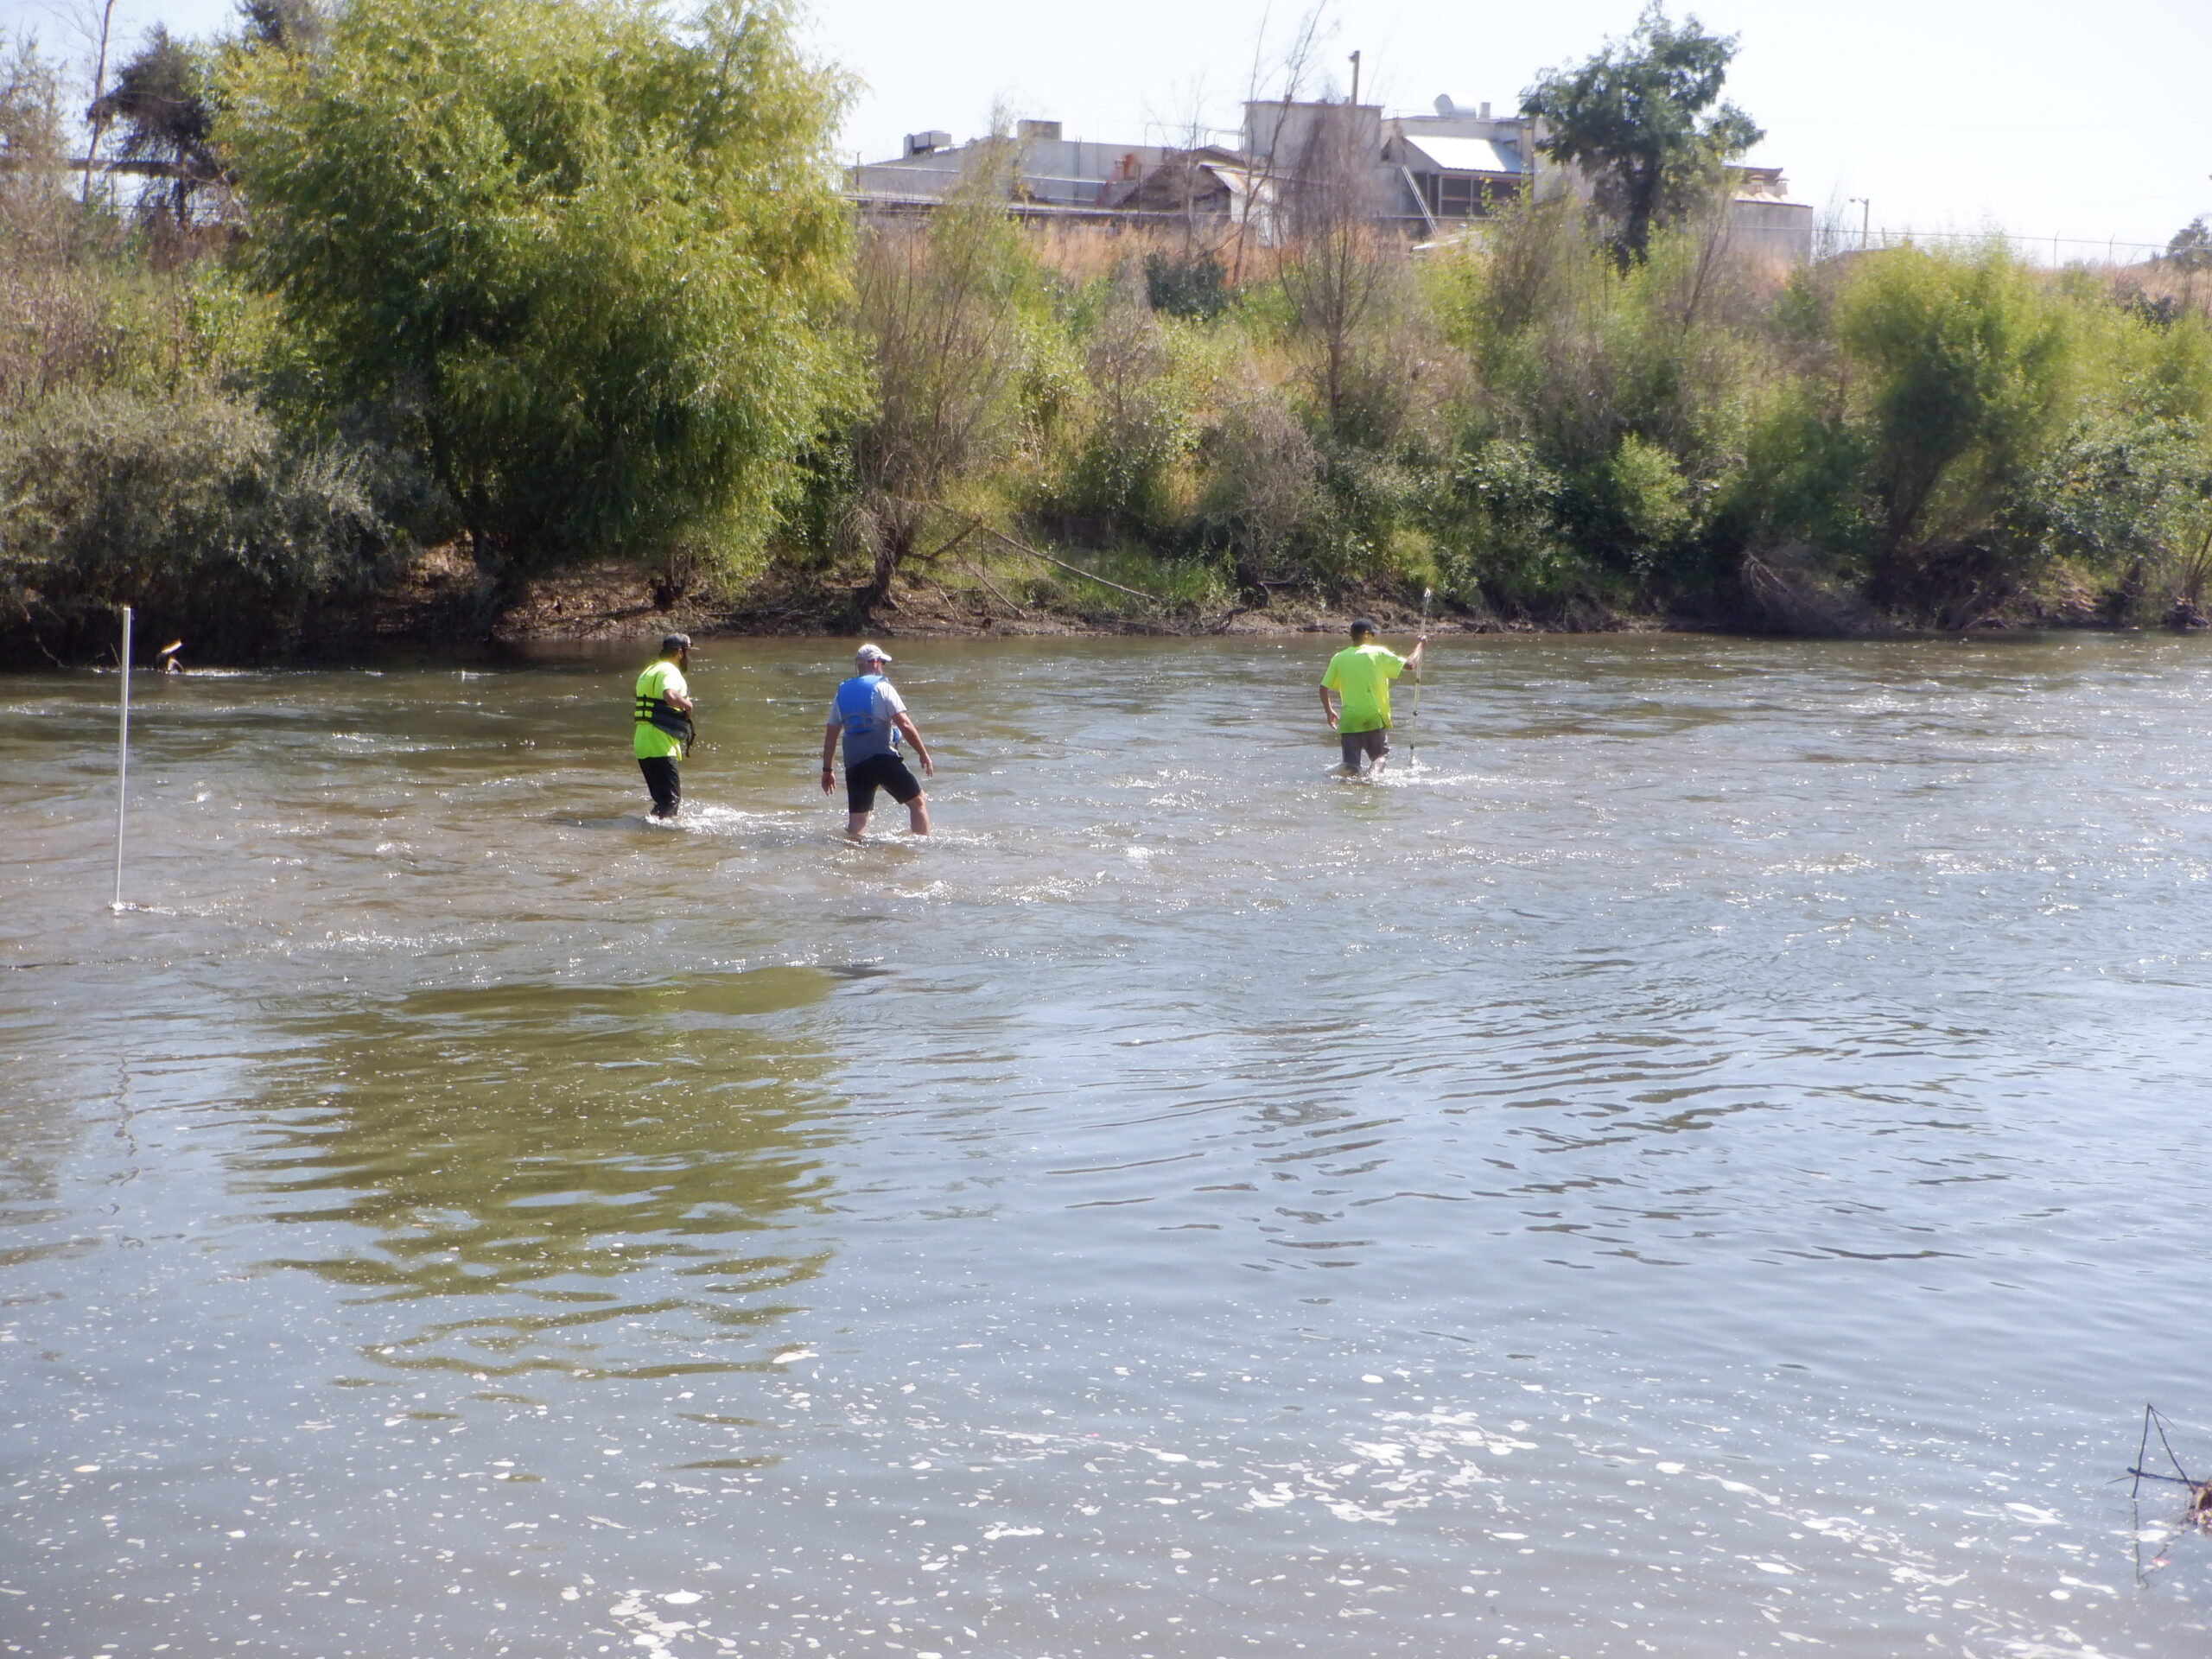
(2089, 124)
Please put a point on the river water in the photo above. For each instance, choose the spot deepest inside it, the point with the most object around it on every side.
(1708, 1162)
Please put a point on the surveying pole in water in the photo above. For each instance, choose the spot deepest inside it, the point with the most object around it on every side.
(121, 758)
(1413, 729)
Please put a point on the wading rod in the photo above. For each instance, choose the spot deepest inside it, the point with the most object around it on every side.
(1413, 726)
(121, 758)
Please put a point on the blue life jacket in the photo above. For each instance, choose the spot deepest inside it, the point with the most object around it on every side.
(865, 736)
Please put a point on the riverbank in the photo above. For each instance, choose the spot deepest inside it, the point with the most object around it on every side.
(443, 601)
(617, 601)
(440, 604)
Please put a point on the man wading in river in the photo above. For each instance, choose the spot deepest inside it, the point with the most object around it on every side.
(1361, 674)
(872, 717)
(662, 715)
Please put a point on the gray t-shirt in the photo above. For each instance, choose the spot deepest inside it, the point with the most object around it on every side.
(863, 706)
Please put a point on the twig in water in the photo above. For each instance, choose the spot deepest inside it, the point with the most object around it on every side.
(2199, 1512)
(2154, 1416)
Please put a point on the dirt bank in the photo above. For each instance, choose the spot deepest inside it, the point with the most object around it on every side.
(618, 601)
(444, 606)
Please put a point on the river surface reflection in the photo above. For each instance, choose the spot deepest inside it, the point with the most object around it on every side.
(1706, 1163)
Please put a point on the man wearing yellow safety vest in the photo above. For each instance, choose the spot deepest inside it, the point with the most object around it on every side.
(1360, 675)
(663, 717)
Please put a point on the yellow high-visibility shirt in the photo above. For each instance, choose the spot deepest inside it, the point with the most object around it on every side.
(1360, 677)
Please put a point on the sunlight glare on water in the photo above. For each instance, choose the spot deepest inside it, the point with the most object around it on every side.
(1699, 1160)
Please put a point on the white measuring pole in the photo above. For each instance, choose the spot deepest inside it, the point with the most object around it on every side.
(1412, 731)
(122, 759)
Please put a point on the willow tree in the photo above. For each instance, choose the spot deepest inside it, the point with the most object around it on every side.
(590, 255)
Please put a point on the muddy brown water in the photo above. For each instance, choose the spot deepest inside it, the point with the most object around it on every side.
(1711, 1162)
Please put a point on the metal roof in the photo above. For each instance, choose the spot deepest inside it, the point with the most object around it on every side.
(1464, 155)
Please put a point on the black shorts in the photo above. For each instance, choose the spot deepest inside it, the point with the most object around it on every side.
(1375, 743)
(886, 772)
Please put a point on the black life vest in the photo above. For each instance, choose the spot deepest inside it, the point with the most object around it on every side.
(663, 716)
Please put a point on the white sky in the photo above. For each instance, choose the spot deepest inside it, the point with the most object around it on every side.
(2045, 119)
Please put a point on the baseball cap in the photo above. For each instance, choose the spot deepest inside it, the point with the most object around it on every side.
(675, 642)
(1360, 625)
(874, 653)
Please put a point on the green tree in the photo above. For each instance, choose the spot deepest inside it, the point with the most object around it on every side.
(2192, 246)
(159, 97)
(1635, 119)
(287, 24)
(592, 253)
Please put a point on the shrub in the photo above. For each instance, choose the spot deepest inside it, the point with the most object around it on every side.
(1262, 502)
(1961, 377)
(1135, 430)
(193, 510)
(1191, 285)
(941, 314)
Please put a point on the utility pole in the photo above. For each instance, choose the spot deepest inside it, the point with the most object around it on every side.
(1355, 79)
(99, 92)
(1865, 220)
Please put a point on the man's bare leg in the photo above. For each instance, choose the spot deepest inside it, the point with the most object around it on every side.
(918, 815)
(856, 824)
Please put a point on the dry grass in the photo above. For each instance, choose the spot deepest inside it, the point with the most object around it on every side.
(1083, 251)
(2164, 286)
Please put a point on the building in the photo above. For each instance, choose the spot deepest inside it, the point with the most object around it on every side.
(1428, 176)
(1461, 165)
(1053, 175)
(1762, 218)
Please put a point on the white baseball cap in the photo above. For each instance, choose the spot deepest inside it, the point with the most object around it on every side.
(871, 653)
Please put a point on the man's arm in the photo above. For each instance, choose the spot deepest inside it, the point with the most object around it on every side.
(1328, 708)
(913, 734)
(677, 700)
(829, 755)
(1413, 658)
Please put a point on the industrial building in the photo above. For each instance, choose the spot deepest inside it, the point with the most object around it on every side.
(1430, 176)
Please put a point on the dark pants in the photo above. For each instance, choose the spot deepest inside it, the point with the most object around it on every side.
(667, 788)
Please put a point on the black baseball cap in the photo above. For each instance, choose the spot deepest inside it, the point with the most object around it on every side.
(675, 642)
(1360, 625)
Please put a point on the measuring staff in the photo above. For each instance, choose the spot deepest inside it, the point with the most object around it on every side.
(662, 731)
